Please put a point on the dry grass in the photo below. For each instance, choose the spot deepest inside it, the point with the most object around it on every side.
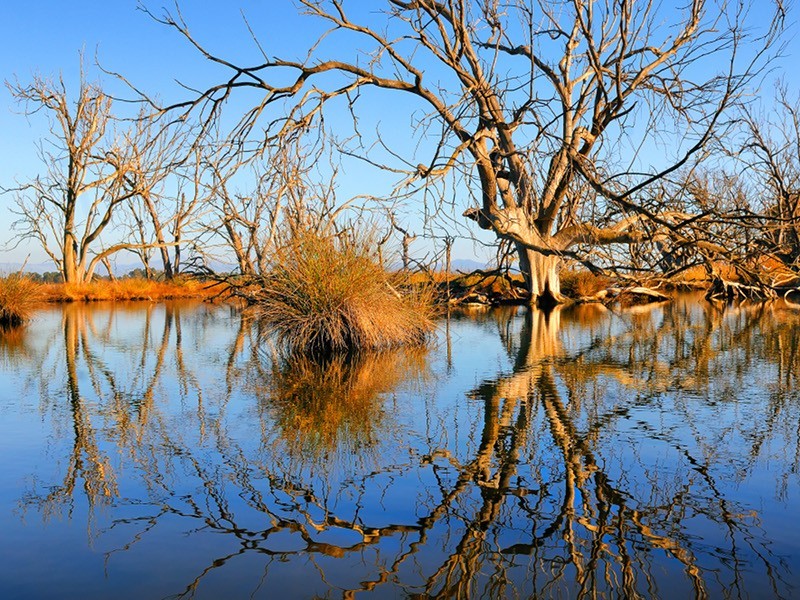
(577, 284)
(327, 294)
(130, 289)
(18, 295)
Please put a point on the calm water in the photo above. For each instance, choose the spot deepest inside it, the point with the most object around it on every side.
(153, 451)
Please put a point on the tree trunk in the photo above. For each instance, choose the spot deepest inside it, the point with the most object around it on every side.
(165, 260)
(176, 262)
(69, 265)
(542, 276)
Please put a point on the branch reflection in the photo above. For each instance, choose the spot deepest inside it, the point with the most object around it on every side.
(603, 461)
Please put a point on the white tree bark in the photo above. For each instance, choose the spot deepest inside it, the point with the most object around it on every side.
(542, 276)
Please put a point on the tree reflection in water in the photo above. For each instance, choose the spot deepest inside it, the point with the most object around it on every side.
(606, 460)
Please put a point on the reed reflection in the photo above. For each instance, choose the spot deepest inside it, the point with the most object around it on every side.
(13, 345)
(333, 405)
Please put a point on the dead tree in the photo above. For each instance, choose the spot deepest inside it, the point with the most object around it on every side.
(530, 103)
(88, 164)
(161, 169)
(405, 241)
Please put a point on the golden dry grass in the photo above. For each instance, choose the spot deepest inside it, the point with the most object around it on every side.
(769, 268)
(130, 289)
(18, 295)
(581, 283)
(327, 294)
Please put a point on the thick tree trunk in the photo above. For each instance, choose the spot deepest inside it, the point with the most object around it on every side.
(542, 276)
(69, 264)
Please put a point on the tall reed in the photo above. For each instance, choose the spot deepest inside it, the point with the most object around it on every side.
(327, 294)
(18, 295)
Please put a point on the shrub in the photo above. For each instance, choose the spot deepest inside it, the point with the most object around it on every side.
(18, 294)
(577, 284)
(327, 294)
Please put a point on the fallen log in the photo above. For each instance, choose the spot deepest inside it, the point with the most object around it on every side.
(726, 290)
(636, 294)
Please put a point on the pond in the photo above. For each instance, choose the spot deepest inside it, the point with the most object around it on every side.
(166, 450)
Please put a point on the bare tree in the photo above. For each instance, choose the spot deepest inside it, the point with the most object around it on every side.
(257, 204)
(772, 151)
(533, 103)
(67, 208)
(405, 241)
(164, 176)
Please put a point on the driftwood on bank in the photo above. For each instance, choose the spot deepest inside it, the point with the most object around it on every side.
(630, 295)
(493, 288)
(725, 290)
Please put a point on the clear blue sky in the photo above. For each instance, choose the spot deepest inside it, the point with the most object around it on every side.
(46, 36)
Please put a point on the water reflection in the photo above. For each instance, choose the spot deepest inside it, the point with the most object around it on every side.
(334, 405)
(14, 348)
(649, 452)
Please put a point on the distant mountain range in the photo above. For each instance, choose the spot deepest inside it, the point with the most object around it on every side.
(466, 264)
(7, 267)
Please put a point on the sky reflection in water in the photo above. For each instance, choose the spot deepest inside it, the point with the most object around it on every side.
(163, 451)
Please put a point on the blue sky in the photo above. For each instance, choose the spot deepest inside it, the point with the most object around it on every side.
(46, 36)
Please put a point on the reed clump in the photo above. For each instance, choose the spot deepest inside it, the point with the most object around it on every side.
(327, 294)
(18, 295)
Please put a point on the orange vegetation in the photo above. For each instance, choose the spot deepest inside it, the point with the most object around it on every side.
(131, 289)
(17, 297)
(327, 294)
(770, 269)
(577, 283)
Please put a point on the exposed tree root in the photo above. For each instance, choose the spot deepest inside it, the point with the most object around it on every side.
(726, 290)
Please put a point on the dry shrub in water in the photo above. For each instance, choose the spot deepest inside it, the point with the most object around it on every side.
(327, 294)
(578, 284)
(18, 294)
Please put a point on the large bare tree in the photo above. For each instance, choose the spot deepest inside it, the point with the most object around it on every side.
(73, 201)
(555, 112)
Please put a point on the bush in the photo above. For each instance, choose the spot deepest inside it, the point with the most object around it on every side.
(18, 294)
(327, 294)
(577, 284)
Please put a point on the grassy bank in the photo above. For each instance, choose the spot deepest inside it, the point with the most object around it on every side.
(129, 289)
(18, 296)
